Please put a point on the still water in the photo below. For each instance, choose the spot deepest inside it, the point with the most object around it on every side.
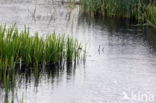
(121, 58)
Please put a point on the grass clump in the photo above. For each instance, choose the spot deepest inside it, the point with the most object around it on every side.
(19, 47)
(139, 10)
(151, 16)
(19, 51)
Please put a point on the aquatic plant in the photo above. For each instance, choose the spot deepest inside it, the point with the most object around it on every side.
(19, 47)
(151, 16)
(139, 10)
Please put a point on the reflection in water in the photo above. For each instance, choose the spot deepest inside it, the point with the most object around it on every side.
(27, 76)
(122, 32)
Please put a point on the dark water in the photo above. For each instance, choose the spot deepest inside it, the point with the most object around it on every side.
(121, 58)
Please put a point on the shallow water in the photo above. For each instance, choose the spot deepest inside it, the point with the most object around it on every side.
(121, 58)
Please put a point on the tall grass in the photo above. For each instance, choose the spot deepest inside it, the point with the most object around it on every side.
(140, 10)
(16, 47)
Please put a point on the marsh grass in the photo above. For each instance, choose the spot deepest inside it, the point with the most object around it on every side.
(151, 16)
(141, 11)
(19, 50)
(19, 47)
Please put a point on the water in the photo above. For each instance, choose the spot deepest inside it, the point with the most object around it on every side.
(121, 58)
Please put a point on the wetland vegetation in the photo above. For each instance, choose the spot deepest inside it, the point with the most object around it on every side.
(19, 50)
(142, 11)
(19, 47)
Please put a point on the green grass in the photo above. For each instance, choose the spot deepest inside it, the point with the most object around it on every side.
(139, 10)
(18, 46)
(151, 16)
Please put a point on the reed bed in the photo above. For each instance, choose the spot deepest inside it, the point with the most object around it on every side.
(19, 47)
(139, 10)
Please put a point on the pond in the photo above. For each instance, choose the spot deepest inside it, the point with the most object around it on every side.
(120, 66)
